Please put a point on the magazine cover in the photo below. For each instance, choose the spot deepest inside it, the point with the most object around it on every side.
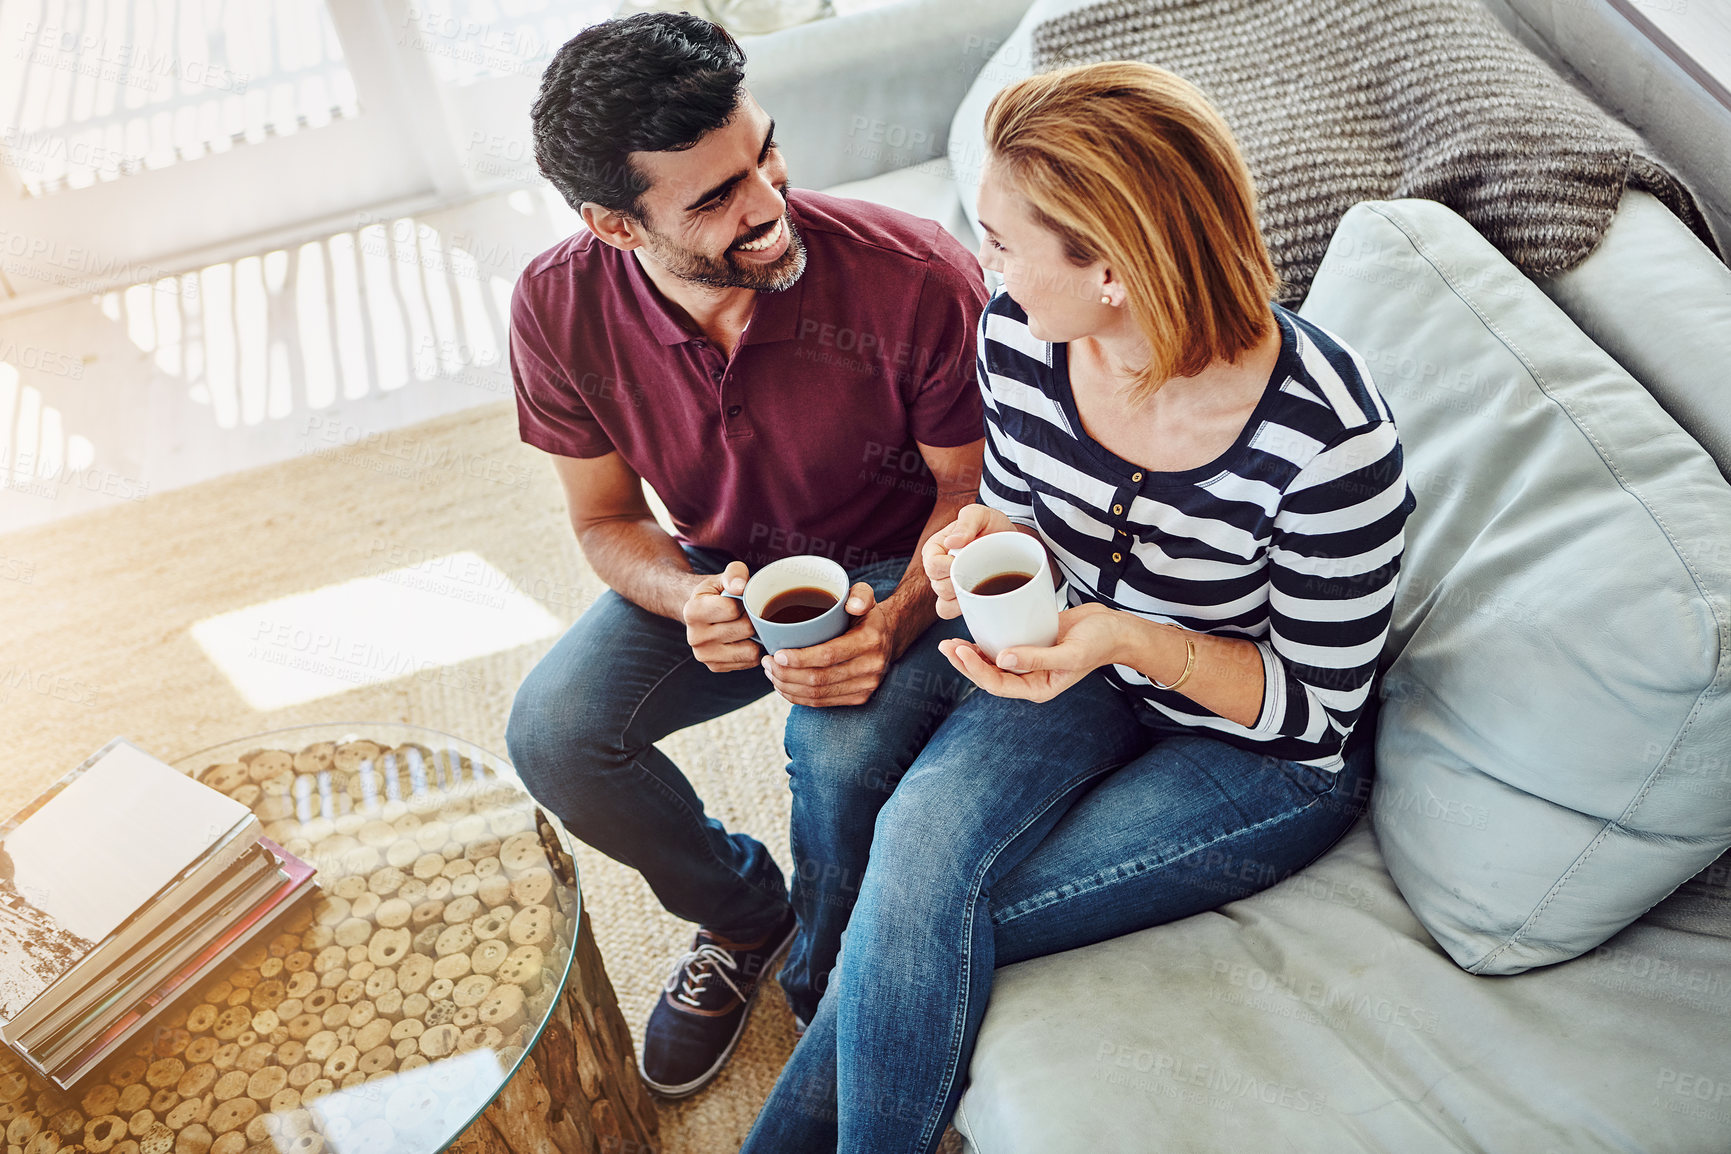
(91, 851)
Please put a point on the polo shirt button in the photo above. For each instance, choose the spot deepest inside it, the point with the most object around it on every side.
(1135, 476)
(1117, 556)
(733, 410)
(1117, 508)
(716, 374)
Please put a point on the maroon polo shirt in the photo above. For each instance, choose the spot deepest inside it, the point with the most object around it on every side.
(804, 441)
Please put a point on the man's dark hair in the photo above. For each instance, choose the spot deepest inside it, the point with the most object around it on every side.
(654, 82)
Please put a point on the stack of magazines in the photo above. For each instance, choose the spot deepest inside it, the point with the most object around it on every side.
(121, 887)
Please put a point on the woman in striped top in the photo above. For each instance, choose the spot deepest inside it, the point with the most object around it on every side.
(1219, 487)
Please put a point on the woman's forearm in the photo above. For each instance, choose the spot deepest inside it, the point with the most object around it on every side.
(1227, 679)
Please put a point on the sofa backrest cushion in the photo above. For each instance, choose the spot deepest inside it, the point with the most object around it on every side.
(1554, 748)
(1013, 60)
(1654, 297)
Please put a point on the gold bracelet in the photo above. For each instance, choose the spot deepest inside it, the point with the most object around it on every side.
(1189, 663)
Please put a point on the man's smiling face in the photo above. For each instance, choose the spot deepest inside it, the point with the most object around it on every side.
(716, 213)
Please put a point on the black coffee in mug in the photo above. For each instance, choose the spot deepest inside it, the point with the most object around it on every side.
(800, 604)
(1001, 583)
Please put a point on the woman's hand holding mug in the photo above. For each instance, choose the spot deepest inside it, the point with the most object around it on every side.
(972, 523)
(1088, 637)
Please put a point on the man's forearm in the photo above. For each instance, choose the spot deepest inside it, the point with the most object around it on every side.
(639, 560)
(913, 607)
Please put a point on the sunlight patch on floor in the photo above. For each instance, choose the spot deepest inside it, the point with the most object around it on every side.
(407, 622)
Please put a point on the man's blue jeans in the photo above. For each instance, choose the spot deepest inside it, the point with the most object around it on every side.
(1020, 831)
(582, 736)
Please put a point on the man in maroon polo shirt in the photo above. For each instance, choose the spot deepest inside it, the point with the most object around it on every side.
(792, 373)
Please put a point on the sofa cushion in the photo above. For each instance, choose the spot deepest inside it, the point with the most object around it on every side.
(1649, 274)
(1555, 749)
(1012, 61)
(1319, 1016)
(923, 189)
(740, 17)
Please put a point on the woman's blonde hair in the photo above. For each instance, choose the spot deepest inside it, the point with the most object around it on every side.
(1130, 164)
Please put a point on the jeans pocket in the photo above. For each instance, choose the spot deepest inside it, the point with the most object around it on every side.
(1316, 782)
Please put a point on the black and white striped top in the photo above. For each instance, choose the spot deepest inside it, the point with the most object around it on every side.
(1291, 538)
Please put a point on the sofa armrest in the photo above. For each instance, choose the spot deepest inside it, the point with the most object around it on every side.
(874, 91)
(1596, 48)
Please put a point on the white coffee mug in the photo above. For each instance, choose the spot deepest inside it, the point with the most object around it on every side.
(1026, 615)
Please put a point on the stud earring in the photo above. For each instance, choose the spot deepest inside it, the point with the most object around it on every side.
(1106, 299)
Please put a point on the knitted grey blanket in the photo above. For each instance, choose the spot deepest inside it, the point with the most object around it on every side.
(1338, 101)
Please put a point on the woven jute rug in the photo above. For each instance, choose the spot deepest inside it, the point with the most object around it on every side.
(96, 613)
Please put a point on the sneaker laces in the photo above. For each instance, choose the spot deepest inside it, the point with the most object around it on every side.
(695, 968)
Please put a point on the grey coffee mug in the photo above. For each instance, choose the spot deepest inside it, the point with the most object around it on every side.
(795, 573)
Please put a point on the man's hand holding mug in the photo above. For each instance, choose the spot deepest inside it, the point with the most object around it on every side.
(844, 670)
(716, 627)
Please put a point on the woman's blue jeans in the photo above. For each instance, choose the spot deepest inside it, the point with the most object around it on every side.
(582, 736)
(1020, 831)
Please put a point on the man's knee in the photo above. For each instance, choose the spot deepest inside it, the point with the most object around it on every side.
(557, 727)
(831, 754)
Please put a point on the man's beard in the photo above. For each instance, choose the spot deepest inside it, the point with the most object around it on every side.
(729, 270)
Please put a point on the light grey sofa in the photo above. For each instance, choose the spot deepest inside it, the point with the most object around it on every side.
(1564, 596)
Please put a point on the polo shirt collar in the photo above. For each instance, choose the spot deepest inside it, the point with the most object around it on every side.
(656, 311)
(776, 317)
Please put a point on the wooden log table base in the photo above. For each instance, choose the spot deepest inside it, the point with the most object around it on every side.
(579, 1089)
(440, 931)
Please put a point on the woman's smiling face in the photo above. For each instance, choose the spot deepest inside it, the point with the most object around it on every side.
(1061, 298)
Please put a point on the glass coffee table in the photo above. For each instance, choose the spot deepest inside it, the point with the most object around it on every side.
(441, 991)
